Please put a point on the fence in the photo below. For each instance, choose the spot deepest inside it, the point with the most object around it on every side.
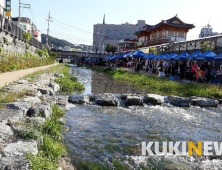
(10, 28)
(213, 42)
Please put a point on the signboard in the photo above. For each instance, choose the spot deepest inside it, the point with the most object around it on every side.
(8, 7)
(8, 13)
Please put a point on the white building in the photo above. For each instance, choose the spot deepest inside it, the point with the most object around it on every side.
(2, 6)
(104, 34)
(207, 31)
(27, 25)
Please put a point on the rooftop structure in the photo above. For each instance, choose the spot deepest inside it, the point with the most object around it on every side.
(171, 30)
(207, 31)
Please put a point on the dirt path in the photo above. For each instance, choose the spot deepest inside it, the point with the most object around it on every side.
(9, 77)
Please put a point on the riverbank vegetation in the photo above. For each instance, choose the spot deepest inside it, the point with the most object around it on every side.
(52, 147)
(12, 62)
(69, 83)
(163, 86)
(49, 134)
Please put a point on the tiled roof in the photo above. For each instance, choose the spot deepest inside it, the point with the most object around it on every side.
(167, 22)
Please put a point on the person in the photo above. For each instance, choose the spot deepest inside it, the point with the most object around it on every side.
(188, 69)
(212, 74)
(200, 76)
(182, 70)
(160, 66)
(129, 63)
(193, 71)
(176, 67)
(207, 72)
(220, 73)
(165, 66)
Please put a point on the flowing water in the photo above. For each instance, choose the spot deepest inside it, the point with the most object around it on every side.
(110, 137)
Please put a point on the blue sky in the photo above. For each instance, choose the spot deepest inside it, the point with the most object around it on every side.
(73, 20)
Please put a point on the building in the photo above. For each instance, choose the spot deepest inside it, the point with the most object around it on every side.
(127, 44)
(104, 34)
(2, 7)
(27, 25)
(207, 31)
(166, 31)
(85, 47)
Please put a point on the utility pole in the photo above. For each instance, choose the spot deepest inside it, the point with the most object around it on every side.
(21, 5)
(47, 38)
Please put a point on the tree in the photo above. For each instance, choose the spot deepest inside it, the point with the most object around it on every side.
(26, 36)
(205, 46)
(110, 48)
(153, 50)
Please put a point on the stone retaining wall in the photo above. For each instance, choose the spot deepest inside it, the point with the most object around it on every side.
(14, 46)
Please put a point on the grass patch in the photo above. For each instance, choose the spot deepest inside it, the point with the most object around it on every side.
(69, 83)
(162, 86)
(52, 147)
(85, 165)
(8, 97)
(34, 76)
(18, 62)
(119, 166)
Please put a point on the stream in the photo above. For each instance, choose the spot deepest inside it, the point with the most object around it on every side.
(110, 137)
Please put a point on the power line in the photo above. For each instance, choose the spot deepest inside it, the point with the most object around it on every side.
(70, 37)
(65, 28)
(72, 26)
(33, 16)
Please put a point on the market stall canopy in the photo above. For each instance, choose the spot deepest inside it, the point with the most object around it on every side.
(193, 55)
(218, 57)
(128, 55)
(208, 55)
(138, 54)
(166, 56)
(183, 56)
(172, 56)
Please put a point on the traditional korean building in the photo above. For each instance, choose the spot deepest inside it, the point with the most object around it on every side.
(127, 44)
(166, 31)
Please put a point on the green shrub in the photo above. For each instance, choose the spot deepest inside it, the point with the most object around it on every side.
(52, 147)
(26, 46)
(68, 83)
(41, 161)
(1, 50)
(17, 62)
(26, 36)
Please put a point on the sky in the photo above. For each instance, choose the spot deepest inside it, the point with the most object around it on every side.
(73, 20)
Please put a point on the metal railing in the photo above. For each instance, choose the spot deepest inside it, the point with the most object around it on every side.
(10, 28)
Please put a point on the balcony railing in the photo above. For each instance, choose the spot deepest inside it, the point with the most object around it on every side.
(158, 41)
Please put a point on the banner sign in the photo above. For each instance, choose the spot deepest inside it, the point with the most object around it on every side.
(8, 7)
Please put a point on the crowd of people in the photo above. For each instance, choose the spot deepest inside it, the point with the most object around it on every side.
(190, 70)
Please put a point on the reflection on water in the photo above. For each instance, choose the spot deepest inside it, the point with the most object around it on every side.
(112, 136)
(96, 82)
